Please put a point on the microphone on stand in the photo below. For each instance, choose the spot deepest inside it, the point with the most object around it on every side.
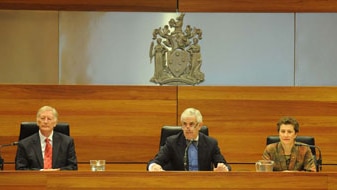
(1, 159)
(319, 160)
(185, 155)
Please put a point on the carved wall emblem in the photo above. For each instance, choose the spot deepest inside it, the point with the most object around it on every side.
(176, 54)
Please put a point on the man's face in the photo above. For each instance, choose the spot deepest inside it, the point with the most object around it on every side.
(46, 121)
(190, 127)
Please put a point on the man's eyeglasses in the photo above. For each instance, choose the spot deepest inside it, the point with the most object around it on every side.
(191, 125)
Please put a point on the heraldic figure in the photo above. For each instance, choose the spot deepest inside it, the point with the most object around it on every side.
(176, 54)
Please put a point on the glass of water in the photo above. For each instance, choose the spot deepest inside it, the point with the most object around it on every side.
(97, 165)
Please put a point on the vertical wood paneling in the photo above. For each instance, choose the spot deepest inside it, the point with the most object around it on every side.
(242, 117)
(115, 123)
(257, 6)
(171, 5)
(92, 5)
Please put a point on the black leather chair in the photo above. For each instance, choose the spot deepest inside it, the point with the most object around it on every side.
(303, 139)
(29, 128)
(167, 131)
(309, 140)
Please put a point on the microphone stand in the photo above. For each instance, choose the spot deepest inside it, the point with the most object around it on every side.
(319, 160)
(2, 161)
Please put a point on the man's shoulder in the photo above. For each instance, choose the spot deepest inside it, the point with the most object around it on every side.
(34, 136)
(211, 141)
(206, 137)
(61, 135)
(175, 136)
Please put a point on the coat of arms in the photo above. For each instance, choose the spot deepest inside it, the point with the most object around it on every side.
(176, 54)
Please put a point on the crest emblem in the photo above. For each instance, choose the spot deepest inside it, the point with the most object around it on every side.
(177, 54)
(178, 61)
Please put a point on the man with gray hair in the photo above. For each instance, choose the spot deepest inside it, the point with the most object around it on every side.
(190, 150)
(46, 150)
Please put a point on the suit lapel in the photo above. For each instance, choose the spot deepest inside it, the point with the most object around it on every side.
(202, 151)
(56, 145)
(181, 144)
(201, 143)
(37, 149)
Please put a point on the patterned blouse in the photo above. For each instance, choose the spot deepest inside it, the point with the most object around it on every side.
(300, 159)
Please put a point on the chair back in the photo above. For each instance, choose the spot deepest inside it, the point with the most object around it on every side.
(167, 131)
(303, 139)
(29, 128)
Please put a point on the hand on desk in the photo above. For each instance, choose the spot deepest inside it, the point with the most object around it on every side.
(221, 167)
(156, 168)
(49, 170)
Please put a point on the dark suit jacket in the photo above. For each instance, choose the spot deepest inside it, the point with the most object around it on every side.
(29, 153)
(171, 155)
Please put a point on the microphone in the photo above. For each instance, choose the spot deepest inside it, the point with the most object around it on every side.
(319, 160)
(185, 155)
(1, 159)
(10, 144)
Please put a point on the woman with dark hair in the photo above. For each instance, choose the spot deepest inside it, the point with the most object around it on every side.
(287, 154)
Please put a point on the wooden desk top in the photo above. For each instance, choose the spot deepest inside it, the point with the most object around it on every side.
(172, 180)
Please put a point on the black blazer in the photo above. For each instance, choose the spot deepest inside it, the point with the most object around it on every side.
(29, 153)
(171, 155)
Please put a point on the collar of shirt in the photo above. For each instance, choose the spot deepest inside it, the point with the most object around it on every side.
(42, 139)
(196, 139)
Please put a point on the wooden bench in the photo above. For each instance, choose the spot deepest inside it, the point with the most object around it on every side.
(167, 180)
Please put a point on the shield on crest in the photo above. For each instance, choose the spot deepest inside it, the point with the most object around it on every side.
(177, 61)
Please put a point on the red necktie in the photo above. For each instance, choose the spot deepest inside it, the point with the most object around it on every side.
(48, 154)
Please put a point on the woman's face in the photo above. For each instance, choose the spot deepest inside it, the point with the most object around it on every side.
(287, 134)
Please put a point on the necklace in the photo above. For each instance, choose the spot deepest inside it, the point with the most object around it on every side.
(287, 158)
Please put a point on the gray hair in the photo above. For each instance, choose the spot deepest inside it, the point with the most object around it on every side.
(191, 112)
(47, 108)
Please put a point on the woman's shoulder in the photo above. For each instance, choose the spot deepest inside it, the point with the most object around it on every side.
(302, 147)
(272, 146)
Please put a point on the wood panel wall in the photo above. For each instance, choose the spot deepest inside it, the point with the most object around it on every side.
(174, 5)
(121, 124)
(257, 6)
(242, 117)
(92, 5)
